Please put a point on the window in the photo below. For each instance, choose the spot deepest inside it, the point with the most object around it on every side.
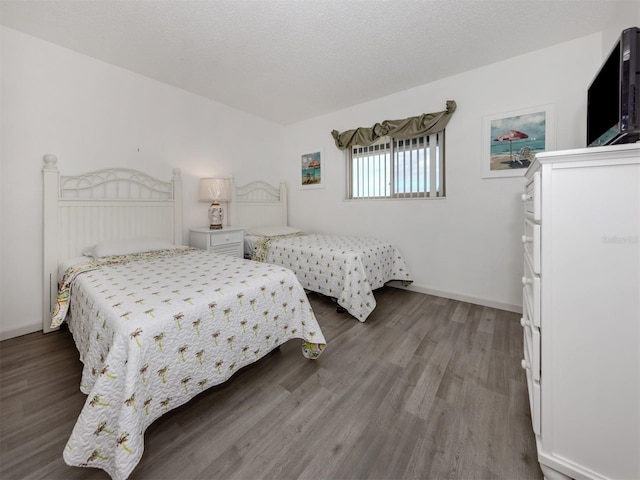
(416, 171)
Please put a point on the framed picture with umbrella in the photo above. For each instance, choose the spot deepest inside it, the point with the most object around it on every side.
(510, 140)
(311, 170)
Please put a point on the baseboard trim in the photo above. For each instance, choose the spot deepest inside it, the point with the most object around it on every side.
(18, 332)
(456, 296)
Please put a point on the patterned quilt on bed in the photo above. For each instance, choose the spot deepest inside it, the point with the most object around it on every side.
(344, 267)
(154, 330)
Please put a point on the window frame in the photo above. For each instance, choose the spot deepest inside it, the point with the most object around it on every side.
(434, 180)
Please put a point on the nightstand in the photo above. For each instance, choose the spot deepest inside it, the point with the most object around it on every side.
(226, 241)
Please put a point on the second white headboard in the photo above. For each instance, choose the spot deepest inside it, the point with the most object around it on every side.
(258, 203)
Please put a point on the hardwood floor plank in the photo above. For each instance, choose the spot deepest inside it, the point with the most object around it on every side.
(419, 403)
(426, 388)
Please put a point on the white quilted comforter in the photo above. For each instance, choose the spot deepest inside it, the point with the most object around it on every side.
(155, 330)
(344, 267)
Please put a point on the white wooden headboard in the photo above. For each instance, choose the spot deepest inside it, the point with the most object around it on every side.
(111, 204)
(258, 203)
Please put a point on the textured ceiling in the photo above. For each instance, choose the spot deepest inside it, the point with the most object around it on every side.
(289, 60)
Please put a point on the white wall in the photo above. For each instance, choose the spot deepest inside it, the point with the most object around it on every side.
(93, 115)
(466, 246)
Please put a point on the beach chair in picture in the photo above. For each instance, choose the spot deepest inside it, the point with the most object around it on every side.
(522, 158)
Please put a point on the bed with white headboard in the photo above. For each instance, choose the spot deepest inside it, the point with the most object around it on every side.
(155, 323)
(259, 203)
(109, 204)
(345, 268)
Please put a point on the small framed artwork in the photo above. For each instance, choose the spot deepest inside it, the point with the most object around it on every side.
(311, 170)
(510, 140)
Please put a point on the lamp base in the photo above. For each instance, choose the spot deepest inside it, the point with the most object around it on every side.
(215, 216)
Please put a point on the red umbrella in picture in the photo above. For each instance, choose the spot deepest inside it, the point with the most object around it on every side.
(510, 136)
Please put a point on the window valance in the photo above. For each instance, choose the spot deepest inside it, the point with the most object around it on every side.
(406, 128)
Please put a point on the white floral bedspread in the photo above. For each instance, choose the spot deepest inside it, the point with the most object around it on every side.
(155, 330)
(347, 268)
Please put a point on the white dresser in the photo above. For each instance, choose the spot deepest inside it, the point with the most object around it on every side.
(227, 240)
(581, 310)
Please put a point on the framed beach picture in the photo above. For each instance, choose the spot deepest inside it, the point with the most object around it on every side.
(510, 140)
(311, 170)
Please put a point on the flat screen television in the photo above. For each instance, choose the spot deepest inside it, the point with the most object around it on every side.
(613, 103)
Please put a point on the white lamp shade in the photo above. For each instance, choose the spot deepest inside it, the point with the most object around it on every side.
(215, 189)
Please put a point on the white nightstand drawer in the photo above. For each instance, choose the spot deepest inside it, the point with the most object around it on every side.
(221, 237)
(226, 241)
(227, 249)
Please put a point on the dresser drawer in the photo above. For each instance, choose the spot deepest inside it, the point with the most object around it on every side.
(226, 237)
(531, 197)
(533, 388)
(532, 345)
(531, 241)
(531, 291)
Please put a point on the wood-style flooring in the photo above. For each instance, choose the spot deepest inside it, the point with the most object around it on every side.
(426, 388)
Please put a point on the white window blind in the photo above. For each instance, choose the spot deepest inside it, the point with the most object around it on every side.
(412, 168)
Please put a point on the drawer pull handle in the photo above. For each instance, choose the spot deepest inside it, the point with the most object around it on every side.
(526, 197)
(526, 239)
(527, 281)
(525, 365)
(524, 322)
